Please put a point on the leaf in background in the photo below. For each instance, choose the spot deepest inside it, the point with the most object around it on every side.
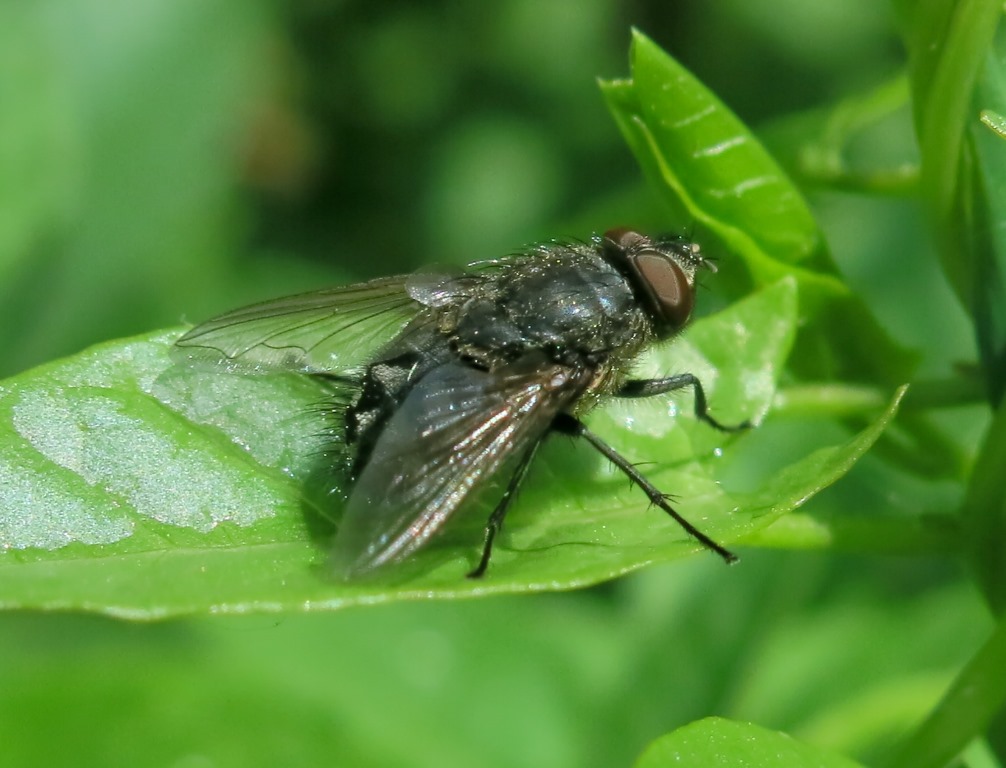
(716, 742)
(956, 71)
(119, 146)
(414, 670)
(955, 53)
(144, 490)
(699, 155)
(984, 239)
(36, 150)
(861, 144)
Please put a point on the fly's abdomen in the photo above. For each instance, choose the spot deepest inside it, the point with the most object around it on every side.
(382, 389)
(386, 383)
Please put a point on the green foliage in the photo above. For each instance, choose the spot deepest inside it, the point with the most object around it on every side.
(716, 742)
(705, 159)
(144, 466)
(184, 158)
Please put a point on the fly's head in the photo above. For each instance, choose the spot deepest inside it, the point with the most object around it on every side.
(661, 272)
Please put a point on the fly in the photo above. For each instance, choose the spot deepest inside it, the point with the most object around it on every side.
(458, 373)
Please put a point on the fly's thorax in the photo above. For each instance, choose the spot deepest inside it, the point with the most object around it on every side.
(567, 301)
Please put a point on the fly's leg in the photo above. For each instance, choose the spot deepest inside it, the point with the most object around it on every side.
(495, 521)
(571, 425)
(650, 387)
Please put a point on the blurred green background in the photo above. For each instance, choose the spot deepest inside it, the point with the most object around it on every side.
(163, 161)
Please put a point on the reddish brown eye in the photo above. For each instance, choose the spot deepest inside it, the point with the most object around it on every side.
(661, 272)
(669, 286)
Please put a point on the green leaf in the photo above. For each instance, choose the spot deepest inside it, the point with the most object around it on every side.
(717, 742)
(708, 165)
(702, 155)
(817, 471)
(141, 489)
(983, 205)
(957, 75)
(994, 122)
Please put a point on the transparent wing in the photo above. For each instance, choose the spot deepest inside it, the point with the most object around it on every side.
(441, 286)
(315, 332)
(449, 436)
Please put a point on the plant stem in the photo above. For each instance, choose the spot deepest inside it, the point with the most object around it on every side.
(841, 400)
(963, 713)
(828, 400)
(925, 534)
(984, 512)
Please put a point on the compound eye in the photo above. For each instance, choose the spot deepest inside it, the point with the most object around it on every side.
(670, 287)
